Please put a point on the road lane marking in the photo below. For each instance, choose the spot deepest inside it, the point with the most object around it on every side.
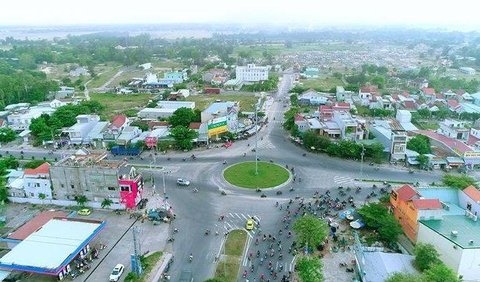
(231, 215)
(238, 215)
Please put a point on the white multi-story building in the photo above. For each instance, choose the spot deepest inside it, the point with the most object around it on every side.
(251, 73)
(37, 182)
(78, 132)
(454, 129)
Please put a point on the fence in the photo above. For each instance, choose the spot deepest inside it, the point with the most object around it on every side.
(63, 203)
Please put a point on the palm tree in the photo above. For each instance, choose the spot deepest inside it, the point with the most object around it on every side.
(81, 200)
(42, 196)
(106, 203)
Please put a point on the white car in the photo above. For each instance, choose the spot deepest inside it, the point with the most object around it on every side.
(116, 272)
(183, 182)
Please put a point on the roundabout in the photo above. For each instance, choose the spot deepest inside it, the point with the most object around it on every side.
(244, 175)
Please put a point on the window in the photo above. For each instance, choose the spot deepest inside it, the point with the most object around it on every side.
(32, 194)
(125, 188)
(111, 188)
(61, 185)
(73, 186)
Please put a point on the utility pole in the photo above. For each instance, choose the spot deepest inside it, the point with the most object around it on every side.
(361, 161)
(256, 140)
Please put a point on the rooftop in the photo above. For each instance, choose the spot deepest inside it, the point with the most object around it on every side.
(406, 192)
(35, 223)
(466, 228)
(219, 107)
(473, 193)
(379, 265)
(427, 204)
(41, 169)
(49, 249)
(90, 160)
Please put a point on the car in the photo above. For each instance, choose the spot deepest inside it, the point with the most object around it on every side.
(116, 272)
(183, 182)
(84, 211)
(250, 224)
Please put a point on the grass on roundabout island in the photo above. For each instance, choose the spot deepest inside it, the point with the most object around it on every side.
(243, 175)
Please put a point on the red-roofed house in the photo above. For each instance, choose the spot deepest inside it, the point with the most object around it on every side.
(115, 128)
(409, 207)
(326, 112)
(409, 105)
(301, 122)
(453, 105)
(469, 199)
(36, 182)
(428, 94)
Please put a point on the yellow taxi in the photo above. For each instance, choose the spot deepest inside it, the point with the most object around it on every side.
(250, 224)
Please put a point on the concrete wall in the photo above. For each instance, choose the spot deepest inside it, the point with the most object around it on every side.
(448, 254)
(63, 203)
(470, 265)
(93, 182)
(463, 200)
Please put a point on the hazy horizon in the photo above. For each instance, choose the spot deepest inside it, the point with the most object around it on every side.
(300, 13)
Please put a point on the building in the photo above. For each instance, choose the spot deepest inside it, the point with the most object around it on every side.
(454, 129)
(313, 98)
(467, 70)
(96, 178)
(115, 128)
(20, 118)
(350, 128)
(311, 73)
(77, 134)
(457, 240)
(221, 117)
(51, 248)
(251, 73)
(392, 136)
(164, 109)
(64, 92)
(409, 207)
(175, 76)
(36, 182)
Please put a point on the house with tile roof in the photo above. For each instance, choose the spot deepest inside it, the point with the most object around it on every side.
(470, 199)
(409, 207)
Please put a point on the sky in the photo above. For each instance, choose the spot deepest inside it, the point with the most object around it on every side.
(458, 14)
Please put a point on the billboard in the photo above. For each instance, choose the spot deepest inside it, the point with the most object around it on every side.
(217, 126)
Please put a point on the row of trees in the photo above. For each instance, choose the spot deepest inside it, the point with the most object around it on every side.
(268, 85)
(5, 163)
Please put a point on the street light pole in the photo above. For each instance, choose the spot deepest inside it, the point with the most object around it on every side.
(256, 141)
(361, 162)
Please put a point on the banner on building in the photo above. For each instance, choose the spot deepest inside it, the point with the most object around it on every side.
(217, 126)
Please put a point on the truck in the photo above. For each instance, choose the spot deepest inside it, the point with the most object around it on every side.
(125, 151)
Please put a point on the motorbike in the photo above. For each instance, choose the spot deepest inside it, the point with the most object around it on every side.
(223, 193)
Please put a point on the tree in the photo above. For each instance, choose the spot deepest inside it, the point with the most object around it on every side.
(459, 182)
(182, 117)
(81, 200)
(439, 272)
(422, 161)
(311, 230)
(183, 137)
(404, 277)
(425, 256)
(42, 196)
(419, 144)
(290, 117)
(294, 99)
(309, 269)
(7, 135)
(377, 217)
(106, 203)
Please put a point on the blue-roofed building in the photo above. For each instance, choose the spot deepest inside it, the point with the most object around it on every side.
(175, 76)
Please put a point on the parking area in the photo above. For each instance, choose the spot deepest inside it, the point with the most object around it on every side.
(117, 236)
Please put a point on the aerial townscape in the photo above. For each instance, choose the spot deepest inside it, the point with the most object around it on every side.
(234, 150)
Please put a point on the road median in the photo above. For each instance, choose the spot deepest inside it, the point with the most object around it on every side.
(230, 260)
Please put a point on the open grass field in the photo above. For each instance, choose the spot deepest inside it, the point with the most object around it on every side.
(229, 266)
(323, 84)
(117, 103)
(247, 100)
(243, 175)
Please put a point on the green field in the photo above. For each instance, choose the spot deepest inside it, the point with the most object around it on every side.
(116, 103)
(229, 266)
(323, 84)
(243, 175)
(247, 100)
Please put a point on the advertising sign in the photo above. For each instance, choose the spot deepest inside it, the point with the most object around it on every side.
(217, 126)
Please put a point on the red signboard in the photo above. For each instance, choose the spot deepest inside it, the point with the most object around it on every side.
(151, 142)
